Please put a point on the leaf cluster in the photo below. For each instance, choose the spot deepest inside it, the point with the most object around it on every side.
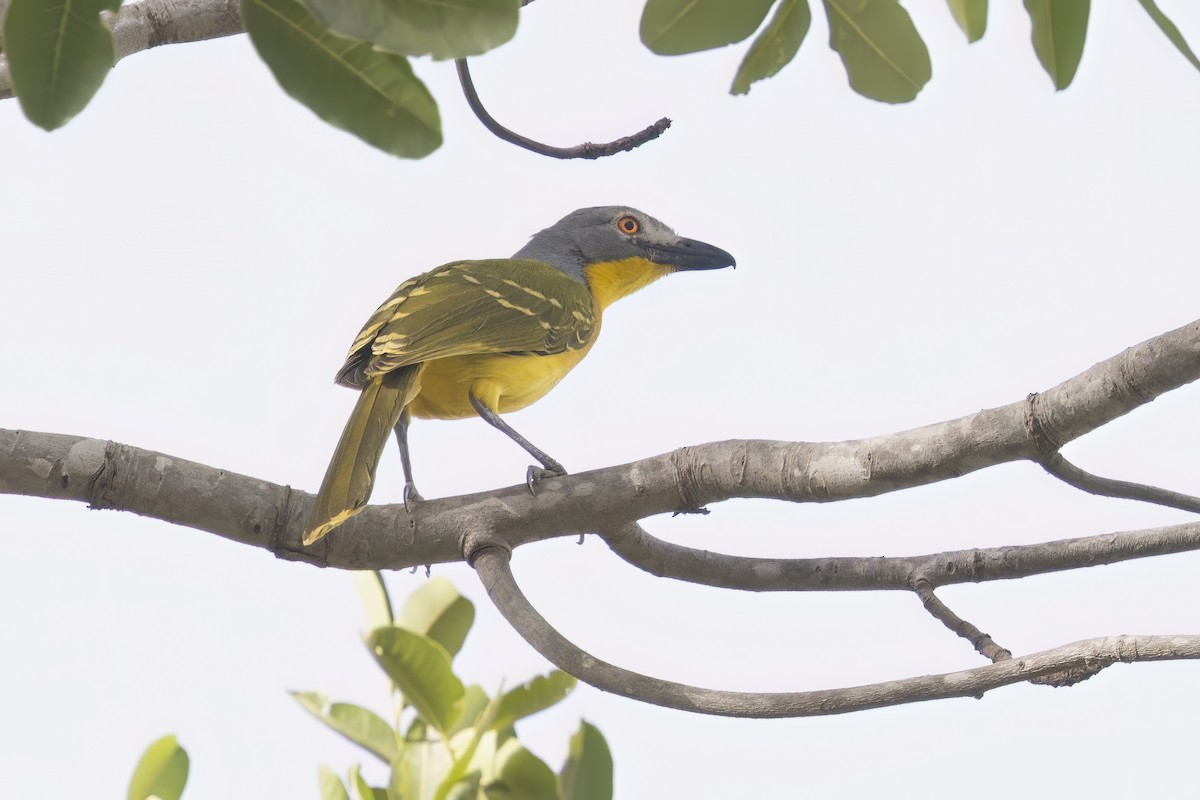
(349, 60)
(883, 54)
(449, 741)
(446, 741)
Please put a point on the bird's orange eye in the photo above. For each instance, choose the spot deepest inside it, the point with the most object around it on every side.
(629, 225)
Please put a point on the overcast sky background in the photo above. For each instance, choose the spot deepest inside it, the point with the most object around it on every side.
(186, 263)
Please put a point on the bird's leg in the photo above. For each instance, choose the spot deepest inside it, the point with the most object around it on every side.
(410, 489)
(551, 468)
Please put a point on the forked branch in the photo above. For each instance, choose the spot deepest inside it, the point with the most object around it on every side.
(253, 511)
(491, 563)
(612, 500)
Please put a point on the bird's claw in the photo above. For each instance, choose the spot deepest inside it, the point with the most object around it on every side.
(535, 474)
(411, 496)
(701, 510)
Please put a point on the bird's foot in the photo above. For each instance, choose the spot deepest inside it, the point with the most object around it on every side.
(535, 474)
(411, 497)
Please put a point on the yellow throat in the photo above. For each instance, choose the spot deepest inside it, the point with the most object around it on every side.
(612, 280)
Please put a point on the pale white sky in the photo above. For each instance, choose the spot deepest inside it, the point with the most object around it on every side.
(186, 263)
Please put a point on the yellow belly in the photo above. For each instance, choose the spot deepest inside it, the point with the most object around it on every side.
(503, 382)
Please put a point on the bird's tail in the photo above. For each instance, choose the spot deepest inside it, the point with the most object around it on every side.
(351, 473)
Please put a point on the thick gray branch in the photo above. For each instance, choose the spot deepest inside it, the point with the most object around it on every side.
(249, 510)
(491, 563)
(150, 23)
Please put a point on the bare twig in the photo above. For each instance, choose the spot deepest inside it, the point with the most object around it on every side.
(491, 563)
(150, 23)
(1058, 466)
(586, 150)
(982, 642)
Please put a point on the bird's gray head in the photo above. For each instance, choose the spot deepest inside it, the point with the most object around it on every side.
(615, 233)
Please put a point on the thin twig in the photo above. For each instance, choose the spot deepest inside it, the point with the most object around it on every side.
(1038, 422)
(491, 564)
(982, 642)
(890, 573)
(586, 150)
(1070, 474)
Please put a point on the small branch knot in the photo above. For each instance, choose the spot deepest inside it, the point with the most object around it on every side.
(101, 481)
(1071, 676)
(1039, 428)
(690, 469)
(283, 509)
(474, 542)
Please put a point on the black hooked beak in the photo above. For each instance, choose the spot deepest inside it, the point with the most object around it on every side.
(691, 254)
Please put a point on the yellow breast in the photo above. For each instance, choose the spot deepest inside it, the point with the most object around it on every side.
(510, 382)
(504, 382)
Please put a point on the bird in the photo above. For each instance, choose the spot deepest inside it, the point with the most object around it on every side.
(488, 337)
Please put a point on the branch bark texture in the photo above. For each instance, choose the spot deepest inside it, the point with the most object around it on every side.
(109, 475)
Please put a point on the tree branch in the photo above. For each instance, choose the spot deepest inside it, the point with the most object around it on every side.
(150, 23)
(491, 563)
(892, 573)
(253, 511)
(1068, 473)
(587, 150)
(983, 643)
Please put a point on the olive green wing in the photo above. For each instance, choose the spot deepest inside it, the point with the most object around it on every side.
(473, 307)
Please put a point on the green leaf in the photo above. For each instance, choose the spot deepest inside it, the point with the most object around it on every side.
(443, 29)
(331, 785)
(1167, 27)
(417, 731)
(1059, 30)
(415, 775)
(484, 760)
(161, 772)
(881, 50)
(533, 696)
(420, 668)
(675, 27)
(438, 611)
(775, 46)
(466, 789)
(521, 775)
(465, 752)
(469, 708)
(361, 726)
(374, 595)
(971, 16)
(59, 53)
(363, 790)
(588, 773)
(347, 83)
